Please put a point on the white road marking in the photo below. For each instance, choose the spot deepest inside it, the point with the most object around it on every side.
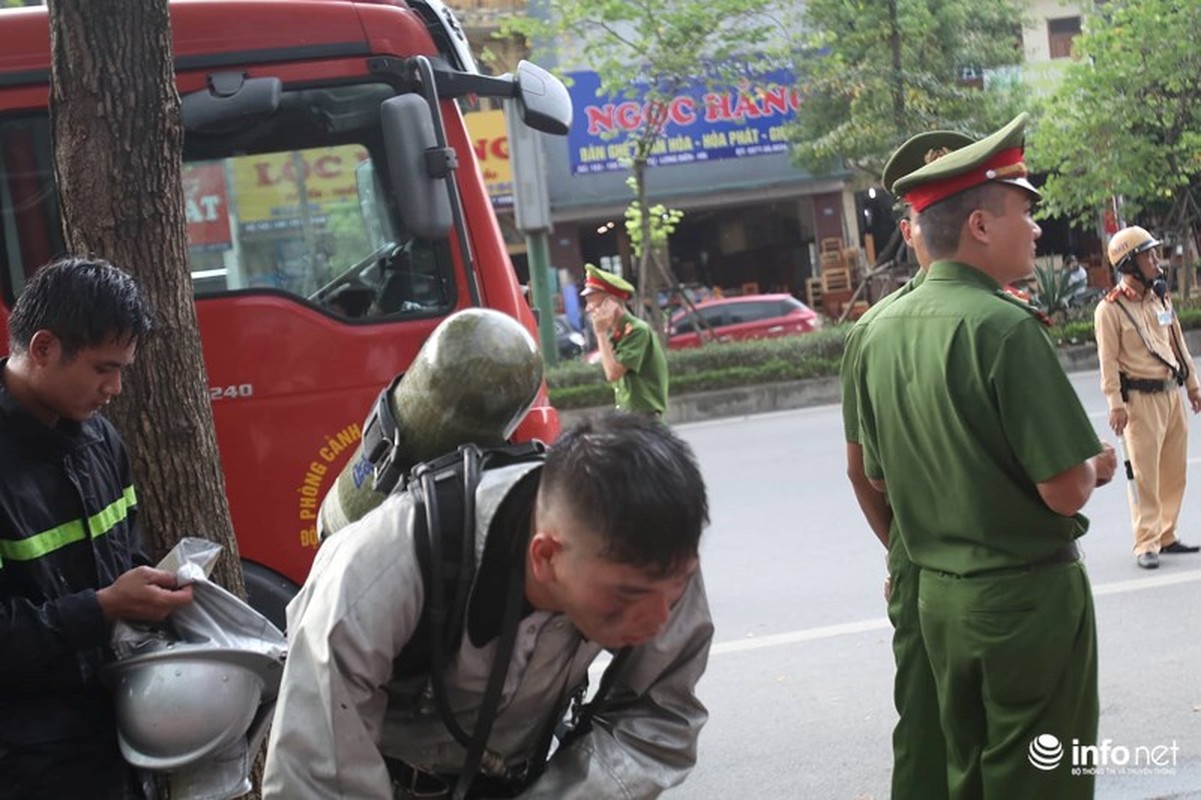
(881, 624)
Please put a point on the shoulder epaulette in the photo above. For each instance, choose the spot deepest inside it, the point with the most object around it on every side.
(1016, 293)
(1022, 300)
(1121, 290)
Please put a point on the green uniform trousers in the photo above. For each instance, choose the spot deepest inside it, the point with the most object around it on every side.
(919, 753)
(1014, 658)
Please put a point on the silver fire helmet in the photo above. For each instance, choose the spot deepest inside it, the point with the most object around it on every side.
(188, 702)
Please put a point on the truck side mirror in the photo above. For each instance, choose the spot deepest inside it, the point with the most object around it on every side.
(542, 100)
(418, 183)
(232, 102)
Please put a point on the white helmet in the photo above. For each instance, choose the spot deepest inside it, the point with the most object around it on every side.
(187, 702)
(1128, 243)
(197, 707)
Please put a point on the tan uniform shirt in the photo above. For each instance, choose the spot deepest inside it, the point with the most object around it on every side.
(1121, 349)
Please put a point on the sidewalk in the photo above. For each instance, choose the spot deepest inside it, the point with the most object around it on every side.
(744, 400)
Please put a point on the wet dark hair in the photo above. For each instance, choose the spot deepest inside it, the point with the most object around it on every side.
(85, 302)
(635, 484)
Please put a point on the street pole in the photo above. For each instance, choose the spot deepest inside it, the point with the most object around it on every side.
(531, 212)
(538, 252)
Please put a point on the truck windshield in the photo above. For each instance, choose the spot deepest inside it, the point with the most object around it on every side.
(294, 203)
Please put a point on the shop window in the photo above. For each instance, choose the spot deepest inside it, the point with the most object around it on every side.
(1061, 33)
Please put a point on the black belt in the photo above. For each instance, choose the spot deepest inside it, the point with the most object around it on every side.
(1064, 555)
(417, 783)
(1149, 386)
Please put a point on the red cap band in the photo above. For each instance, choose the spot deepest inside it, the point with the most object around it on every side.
(593, 283)
(1005, 164)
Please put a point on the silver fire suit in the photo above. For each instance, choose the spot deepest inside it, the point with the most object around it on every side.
(341, 711)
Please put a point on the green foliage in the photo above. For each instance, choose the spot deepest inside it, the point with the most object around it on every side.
(576, 384)
(657, 49)
(1080, 331)
(586, 395)
(654, 51)
(663, 222)
(878, 71)
(1125, 121)
(1069, 333)
(1054, 289)
(1189, 318)
(715, 366)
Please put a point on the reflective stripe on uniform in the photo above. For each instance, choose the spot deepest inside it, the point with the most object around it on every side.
(46, 542)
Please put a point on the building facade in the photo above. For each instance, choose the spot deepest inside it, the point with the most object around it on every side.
(752, 221)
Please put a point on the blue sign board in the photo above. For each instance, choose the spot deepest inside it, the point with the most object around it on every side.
(702, 124)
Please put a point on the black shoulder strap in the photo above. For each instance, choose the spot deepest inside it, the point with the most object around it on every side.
(381, 441)
(439, 506)
(582, 715)
(443, 492)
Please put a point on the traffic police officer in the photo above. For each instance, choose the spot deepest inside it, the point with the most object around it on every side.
(969, 423)
(630, 352)
(919, 752)
(1143, 361)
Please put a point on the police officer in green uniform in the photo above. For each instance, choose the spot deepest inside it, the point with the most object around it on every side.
(969, 424)
(919, 754)
(630, 352)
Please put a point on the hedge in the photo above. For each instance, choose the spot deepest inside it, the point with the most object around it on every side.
(575, 384)
(1081, 331)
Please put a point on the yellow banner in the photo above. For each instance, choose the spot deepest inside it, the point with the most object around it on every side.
(268, 186)
(490, 141)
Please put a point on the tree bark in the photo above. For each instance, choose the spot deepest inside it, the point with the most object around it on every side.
(649, 279)
(118, 144)
(898, 87)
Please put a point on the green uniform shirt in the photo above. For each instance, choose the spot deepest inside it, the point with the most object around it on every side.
(963, 408)
(850, 354)
(644, 386)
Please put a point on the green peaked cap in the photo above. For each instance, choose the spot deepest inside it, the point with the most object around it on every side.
(995, 158)
(598, 280)
(920, 150)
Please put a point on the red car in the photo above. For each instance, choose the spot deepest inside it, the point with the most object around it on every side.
(731, 319)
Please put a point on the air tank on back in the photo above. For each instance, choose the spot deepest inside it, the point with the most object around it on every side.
(473, 380)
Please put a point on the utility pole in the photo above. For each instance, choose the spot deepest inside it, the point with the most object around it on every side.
(531, 211)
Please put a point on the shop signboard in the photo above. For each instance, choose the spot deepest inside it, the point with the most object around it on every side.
(491, 144)
(206, 206)
(703, 124)
(269, 186)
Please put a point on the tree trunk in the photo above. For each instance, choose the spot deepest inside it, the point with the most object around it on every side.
(1189, 252)
(649, 278)
(1189, 261)
(898, 88)
(644, 223)
(118, 145)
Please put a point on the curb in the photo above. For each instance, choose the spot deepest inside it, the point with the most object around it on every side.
(762, 398)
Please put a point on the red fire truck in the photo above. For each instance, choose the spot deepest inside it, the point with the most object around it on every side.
(329, 228)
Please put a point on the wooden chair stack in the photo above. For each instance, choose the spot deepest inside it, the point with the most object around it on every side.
(834, 286)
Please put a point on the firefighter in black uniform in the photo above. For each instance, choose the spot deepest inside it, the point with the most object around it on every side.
(71, 562)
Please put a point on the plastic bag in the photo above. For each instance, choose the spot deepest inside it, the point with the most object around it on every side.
(215, 625)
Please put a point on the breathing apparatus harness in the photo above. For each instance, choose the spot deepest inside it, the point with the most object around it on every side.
(443, 491)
